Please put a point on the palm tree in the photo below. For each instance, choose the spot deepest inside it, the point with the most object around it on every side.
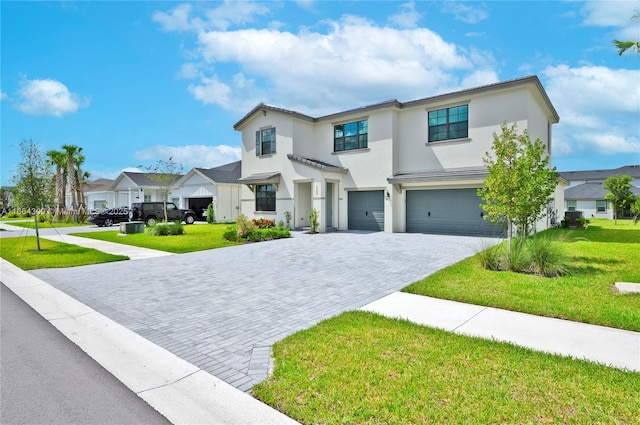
(82, 178)
(71, 155)
(58, 159)
(623, 46)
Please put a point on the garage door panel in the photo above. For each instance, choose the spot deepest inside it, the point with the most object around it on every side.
(448, 211)
(366, 210)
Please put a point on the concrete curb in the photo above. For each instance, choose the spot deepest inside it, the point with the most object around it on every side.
(177, 389)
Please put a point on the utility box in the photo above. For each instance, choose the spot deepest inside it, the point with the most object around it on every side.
(573, 216)
(129, 227)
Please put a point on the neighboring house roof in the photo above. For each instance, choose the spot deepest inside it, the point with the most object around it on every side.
(601, 175)
(591, 191)
(227, 173)
(98, 185)
(399, 105)
(324, 166)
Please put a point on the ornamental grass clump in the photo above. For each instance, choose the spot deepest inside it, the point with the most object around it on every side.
(537, 255)
(167, 229)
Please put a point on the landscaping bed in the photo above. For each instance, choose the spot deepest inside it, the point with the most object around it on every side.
(601, 255)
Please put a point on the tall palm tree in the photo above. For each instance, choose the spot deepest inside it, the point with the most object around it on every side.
(58, 160)
(71, 152)
(83, 178)
(623, 46)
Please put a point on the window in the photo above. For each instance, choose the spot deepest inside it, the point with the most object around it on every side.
(353, 135)
(601, 205)
(147, 198)
(450, 123)
(571, 205)
(265, 197)
(266, 141)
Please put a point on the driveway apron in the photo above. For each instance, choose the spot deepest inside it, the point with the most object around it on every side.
(222, 309)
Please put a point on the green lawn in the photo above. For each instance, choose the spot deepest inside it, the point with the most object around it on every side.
(197, 238)
(45, 225)
(22, 252)
(601, 255)
(361, 368)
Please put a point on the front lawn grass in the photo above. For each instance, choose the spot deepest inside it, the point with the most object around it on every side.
(197, 238)
(600, 256)
(361, 368)
(46, 225)
(23, 253)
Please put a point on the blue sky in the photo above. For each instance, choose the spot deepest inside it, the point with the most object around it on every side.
(134, 82)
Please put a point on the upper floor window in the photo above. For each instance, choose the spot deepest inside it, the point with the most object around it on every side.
(450, 123)
(601, 205)
(571, 205)
(266, 141)
(265, 197)
(353, 135)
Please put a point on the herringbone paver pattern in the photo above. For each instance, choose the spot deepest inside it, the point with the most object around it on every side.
(223, 309)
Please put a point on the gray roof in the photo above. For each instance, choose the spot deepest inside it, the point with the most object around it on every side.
(228, 173)
(467, 173)
(590, 191)
(324, 166)
(399, 105)
(601, 175)
(98, 185)
(142, 179)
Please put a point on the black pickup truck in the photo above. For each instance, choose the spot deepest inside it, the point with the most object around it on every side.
(152, 212)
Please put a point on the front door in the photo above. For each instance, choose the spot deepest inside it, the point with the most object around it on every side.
(329, 203)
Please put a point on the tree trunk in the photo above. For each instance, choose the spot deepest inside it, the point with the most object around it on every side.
(37, 232)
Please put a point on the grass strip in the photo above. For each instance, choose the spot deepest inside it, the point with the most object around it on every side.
(361, 368)
(23, 253)
(196, 238)
(600, 256)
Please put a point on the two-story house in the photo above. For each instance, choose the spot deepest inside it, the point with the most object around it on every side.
(393, 166)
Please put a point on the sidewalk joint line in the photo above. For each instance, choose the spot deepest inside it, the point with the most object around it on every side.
(469, 319)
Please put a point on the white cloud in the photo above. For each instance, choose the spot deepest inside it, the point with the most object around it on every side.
(227, 14)
(47, 97)
(3, 95)
(191, 155)
(466, 13)
(596, 105)
(408, 17)
(354, 62)
(615, 14)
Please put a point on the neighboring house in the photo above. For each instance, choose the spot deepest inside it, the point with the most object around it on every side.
(201, 186)
(586, 193)
(130, 187)
(97, 195)
(393, 166)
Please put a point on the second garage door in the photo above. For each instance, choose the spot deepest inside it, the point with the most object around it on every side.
(366, 210)
(448, 211)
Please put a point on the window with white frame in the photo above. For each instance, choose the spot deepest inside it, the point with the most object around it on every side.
(266, 141)
(571, 205)
(601, 205)
(265, 197)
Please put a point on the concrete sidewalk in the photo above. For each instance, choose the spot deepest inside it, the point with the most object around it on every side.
(177, 389)
(609, 346)
(133, 252)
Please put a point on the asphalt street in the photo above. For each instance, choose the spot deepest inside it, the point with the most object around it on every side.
(46, 379)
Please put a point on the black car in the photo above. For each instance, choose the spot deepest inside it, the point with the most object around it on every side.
(109, 216)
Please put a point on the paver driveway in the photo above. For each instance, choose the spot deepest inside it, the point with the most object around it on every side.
(222, 309)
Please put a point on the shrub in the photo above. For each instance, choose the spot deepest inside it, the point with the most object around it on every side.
(313, 220)
(167, 229)
(263, 223)
(287, 217)
(566, 222)
(490, 258)
(582, 223)
(243, 226)
(256, 234)
(210, 214)
(231, 234)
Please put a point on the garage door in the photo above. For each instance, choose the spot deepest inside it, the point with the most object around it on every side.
(366, 210)
(449, 212)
